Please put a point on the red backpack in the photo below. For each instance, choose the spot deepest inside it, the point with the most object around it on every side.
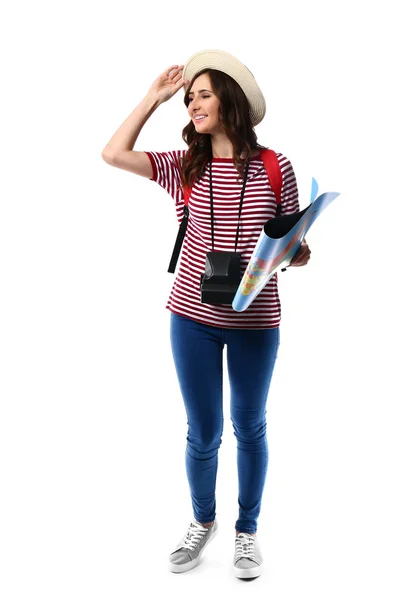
(273, 169)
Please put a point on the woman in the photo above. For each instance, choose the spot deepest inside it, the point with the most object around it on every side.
(222, 165)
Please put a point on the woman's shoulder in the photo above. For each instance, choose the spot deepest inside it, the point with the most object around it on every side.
(258, 152)
(283, 160)
(168, 159)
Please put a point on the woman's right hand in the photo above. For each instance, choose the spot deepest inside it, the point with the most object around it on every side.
(167, 84)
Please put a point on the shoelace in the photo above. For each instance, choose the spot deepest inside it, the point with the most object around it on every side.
(244, 546)
(194, 535)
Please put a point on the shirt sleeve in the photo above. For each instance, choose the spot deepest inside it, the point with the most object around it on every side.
(167, 172)
(290, 194)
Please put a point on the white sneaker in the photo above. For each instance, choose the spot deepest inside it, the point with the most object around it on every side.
(248, 561)
(187, 554)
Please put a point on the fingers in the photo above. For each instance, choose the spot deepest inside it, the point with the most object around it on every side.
(300, 261)
(168, 71)
(176, 77)
(302, 257)
(174, 71)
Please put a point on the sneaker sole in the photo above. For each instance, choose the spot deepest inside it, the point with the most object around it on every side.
(192, 563)
(247, 573)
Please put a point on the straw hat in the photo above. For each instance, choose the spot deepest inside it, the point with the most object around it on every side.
(225, 62)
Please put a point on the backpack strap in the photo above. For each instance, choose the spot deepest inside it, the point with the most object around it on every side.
(186, 193)
(274, 173)
(180, 236)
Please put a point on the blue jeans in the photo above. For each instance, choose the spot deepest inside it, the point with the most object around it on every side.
(251, 353)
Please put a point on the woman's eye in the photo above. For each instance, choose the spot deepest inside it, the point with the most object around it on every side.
(190, 99)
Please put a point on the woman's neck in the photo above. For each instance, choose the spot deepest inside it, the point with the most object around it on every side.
(224, 155)
(223, 148)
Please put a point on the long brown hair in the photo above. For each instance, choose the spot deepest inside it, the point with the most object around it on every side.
(234, 116)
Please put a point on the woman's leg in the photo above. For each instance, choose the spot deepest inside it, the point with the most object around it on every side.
(197, 352)
(251, 356)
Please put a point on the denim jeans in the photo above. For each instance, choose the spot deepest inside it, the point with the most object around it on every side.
(198, 355)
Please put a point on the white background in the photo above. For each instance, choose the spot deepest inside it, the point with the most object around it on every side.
(94, 494)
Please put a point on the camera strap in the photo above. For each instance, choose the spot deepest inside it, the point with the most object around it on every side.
(273, 170)
(240, 205)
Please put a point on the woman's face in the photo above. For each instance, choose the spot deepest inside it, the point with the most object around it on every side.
(203, 101)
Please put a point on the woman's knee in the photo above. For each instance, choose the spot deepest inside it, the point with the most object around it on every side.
(204, 441)
(250, 432)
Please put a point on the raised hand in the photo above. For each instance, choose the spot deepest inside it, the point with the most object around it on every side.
(168, 83)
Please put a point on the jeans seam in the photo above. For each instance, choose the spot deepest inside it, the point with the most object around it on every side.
(221, 382)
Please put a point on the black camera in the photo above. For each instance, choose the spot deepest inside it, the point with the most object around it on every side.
(220, 281)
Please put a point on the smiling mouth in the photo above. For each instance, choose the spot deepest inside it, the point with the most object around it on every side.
(197, 120)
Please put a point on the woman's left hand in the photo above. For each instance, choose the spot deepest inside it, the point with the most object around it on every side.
(302, 256)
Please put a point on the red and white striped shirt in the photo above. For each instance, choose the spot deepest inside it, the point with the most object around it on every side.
(259, 205)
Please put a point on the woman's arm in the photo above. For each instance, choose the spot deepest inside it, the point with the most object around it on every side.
(119, 150)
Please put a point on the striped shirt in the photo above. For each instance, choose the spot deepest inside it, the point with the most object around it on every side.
(259, 205)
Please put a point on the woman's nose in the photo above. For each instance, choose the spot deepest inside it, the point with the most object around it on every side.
(194, 105)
